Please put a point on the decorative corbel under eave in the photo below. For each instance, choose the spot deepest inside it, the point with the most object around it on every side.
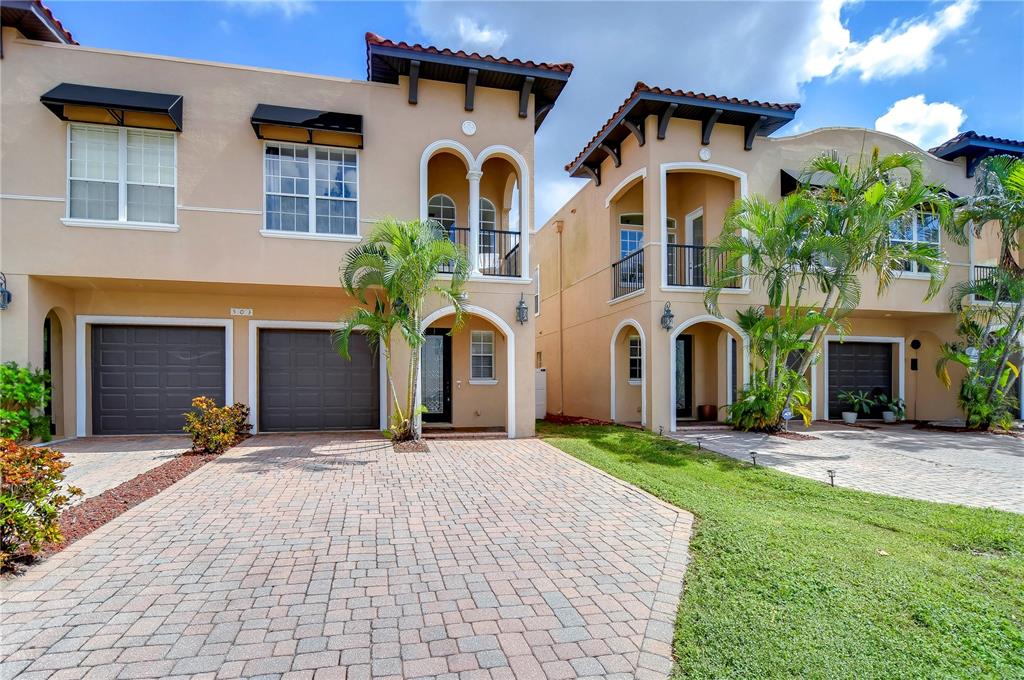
(471, 75)
(637, 131)
(592, 173)
(524, 96)
(614, 153)
(751, 130)
(666, 116)
(414, 80)
(707, 124)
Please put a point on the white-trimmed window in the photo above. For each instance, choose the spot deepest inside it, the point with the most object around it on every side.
(311, 189)
(923, 229)
(488, 225)
(636, 359)
(121, 175)
(481, 356)
(631, 233)
(441, 208)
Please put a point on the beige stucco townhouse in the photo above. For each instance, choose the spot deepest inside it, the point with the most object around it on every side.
(172, 227)
(623, 333)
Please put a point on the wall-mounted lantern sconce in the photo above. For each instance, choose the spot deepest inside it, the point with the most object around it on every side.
(5, 295)
(667, 317)
(522, 311)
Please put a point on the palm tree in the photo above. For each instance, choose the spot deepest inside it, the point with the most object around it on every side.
(998, 199)
(857, 209)
(398, 265)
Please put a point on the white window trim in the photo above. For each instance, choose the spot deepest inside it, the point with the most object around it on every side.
(914, 273)
(691, 217)
(630, 357)
(311, 233)
(493, 380)
(122, 221)
(455, 208)
(495, 225)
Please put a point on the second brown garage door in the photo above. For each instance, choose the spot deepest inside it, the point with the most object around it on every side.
(304, 385)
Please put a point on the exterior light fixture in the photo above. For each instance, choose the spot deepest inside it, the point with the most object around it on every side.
(5, 295)
(753, 457)
(832, 477)
(522, 312)
(667, 317)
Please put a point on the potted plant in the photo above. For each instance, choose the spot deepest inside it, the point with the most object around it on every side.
(860, 402)
(895, 409)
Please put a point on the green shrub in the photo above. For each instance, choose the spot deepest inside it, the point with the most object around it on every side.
(214, 428)
(759, 406)
(24, 393)
(31, 497)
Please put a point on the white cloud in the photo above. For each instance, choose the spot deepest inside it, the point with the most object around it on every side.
(225, 26)
(923, 123)
(477, 37)
(288, 8)
(905, 47)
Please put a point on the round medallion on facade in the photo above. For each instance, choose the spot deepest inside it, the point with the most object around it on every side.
(704, 153)
(468, 127)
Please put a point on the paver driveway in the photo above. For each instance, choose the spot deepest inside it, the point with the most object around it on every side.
(303, 556)
(101, 463)
(979, 469)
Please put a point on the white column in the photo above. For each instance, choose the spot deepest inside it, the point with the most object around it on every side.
(474, 221)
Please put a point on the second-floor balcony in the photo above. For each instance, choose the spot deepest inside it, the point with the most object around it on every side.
(694, 266)
(498, 252)
(983, 273)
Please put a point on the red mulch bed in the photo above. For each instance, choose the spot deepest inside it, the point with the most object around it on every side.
(573, 420)
(795, 436)
(415, 446)
(959, 430)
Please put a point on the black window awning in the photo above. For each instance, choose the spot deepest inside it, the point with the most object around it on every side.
(308, 126)
(110, 106)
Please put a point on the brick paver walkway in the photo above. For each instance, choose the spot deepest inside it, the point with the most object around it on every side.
(101, 463)
(319, 556)
(983, 470)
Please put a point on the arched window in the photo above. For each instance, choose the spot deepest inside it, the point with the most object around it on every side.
(441, 208)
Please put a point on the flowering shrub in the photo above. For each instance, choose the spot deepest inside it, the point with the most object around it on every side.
(215, 428)
(23, 394)
(31, 497)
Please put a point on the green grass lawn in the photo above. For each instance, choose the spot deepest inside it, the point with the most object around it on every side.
(793, 578)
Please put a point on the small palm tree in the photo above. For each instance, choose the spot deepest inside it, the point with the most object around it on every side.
(398, 266)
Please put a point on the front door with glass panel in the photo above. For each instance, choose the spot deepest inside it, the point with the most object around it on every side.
(436, 371)
(684, 376)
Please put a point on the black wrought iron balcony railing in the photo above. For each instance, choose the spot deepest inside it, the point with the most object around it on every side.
(500, 253)
(460, 237)
(694, 266)
(983, 273)
(628, 274)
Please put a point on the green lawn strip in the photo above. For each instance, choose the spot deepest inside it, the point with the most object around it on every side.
(788, 578)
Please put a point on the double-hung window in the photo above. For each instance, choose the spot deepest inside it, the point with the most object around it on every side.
(923, 229)
(481, 356)
(121, 175)
(311, 190)
(636, 359)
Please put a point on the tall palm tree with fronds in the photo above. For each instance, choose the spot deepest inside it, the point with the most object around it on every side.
(999, 200)
(398, 266)
(858, 207)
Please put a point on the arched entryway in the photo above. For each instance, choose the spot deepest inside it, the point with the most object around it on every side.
(53, 363)
(467, 377)
(708, 365)
(628, 373)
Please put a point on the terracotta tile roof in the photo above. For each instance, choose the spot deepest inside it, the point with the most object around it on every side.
(374, 39)
(642, 88)
(56, 21)
(971, 134)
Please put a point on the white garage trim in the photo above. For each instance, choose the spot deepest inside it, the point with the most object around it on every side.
(882, 340)
(84, 320)
(510, 358)
(643, 371)
(256, 324)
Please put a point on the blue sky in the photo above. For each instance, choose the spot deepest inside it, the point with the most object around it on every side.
(924, 70)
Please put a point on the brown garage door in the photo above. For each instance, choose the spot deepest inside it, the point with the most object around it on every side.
(144, 377)
(304, 385)
(857, 366)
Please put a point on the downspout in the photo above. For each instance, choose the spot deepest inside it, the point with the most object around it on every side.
(559, 224)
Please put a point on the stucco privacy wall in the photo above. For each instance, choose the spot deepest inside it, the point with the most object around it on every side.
(581, 316)
(219, 258)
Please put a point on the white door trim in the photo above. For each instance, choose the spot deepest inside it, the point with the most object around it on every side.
(693, 321)
(880, 339)
(643, 373)
(510, 358)
(256, 324)
(81, 363)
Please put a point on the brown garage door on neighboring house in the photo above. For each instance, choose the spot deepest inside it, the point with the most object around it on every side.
(857, 366)
(304, 385)
(144, 377)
